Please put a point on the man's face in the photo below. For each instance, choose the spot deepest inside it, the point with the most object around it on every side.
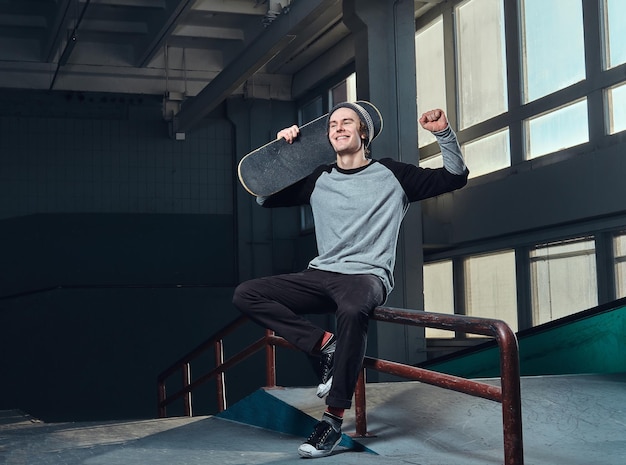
(343, 131)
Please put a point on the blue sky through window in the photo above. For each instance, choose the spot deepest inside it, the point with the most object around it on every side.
(616, 15)
(554, 55)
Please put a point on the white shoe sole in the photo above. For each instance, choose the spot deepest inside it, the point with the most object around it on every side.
(309, 452)
(324, 388)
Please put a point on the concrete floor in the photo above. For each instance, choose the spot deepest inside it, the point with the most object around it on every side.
(567, 420)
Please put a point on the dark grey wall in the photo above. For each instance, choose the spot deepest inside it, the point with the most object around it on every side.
(94, 354)
(115, 249)
(578, 191)
(99, 206)
(74, 153)
(266, 236)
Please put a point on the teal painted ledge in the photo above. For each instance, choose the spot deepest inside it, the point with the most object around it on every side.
(266, 411)
(593, 341)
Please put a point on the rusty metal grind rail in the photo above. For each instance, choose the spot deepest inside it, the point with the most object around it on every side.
(508, 394)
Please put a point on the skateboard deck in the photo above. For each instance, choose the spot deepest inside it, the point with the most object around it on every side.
(278, 165)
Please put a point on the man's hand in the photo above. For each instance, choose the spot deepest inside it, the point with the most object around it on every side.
(289, 134)
(434, 120)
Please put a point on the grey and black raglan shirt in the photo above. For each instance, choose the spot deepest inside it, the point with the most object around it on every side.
(357, 213)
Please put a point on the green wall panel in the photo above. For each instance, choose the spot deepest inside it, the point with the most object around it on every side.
(595, 343)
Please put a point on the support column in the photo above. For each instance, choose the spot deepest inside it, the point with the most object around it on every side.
(266, 237)
(384, 38)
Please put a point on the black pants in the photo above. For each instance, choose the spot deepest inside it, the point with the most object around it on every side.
(278, 303)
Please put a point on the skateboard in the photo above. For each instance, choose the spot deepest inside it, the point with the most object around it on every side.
(278, 165)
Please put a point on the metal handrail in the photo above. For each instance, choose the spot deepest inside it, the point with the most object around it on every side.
(508, 394)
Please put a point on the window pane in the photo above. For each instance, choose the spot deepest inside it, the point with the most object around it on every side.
(439, 293)
(311, 110)
(553, 46)
(615, 24)
(491, 290)
(345, 91)
(488, 154)
(619, 246)
(616, 97)
(563, 279)
(351, 87)
(557, 130)
(436, 161)
(481, 61)
(430, 69)
(339, 93)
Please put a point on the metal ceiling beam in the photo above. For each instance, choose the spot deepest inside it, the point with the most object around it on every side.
(57, 32)
(169, 19)
(283, 31)
(70, 44)
(240, 7)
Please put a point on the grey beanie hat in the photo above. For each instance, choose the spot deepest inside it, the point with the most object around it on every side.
(368, 113)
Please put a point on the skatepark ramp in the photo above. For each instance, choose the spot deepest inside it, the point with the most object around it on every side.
(568, 419)
(578, 419)
(574, 414)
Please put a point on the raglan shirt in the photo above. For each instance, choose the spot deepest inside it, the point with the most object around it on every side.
(358, 212)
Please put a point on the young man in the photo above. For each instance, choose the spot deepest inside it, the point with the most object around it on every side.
(358, 204)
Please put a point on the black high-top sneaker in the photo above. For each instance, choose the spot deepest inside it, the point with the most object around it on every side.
(327, 358)
(325, 437)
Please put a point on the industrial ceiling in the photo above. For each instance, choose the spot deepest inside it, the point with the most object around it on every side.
(209, 49)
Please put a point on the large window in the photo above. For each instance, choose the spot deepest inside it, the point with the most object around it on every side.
(487, 154)
(556, 130)
(430, 68)
(439, 294)
(311, 110)
(563, 279)
(616, 103)
(548, 98)
(490, 287)
(615, 32)
(345, 91)
(481, 61)
(553, 46)
(436, 161)
(547, 69)
(619, 250)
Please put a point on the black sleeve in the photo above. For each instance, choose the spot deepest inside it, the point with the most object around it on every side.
(423, 183)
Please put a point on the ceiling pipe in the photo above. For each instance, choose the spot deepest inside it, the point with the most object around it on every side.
(263, 48)
(69, 46)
